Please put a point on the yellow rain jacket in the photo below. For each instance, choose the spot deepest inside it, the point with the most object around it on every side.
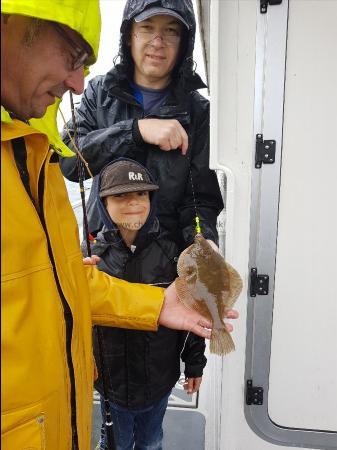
(50, 300)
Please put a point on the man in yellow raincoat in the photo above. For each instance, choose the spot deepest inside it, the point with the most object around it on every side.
(50, 300)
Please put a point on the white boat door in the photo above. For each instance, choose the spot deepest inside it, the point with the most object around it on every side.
(273, 89)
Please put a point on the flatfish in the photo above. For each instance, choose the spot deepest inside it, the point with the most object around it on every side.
(207, 283)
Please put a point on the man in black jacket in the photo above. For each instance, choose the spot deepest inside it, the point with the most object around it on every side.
(147, 108)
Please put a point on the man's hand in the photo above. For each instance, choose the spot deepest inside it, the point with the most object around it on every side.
(231, 314)
(91, 261)
(213, 245)
(168, 134)
(176, 316)
(192, 385)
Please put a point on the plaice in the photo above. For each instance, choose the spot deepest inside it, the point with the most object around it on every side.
(210, 285)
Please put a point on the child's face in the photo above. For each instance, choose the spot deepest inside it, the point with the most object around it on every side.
(129, 210)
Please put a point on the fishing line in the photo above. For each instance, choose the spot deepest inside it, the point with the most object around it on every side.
(197, 219)
(79, 154)
(81, 176)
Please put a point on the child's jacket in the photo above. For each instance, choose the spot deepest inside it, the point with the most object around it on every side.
(142, 366)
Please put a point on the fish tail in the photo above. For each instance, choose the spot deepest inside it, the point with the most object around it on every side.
(221, 342)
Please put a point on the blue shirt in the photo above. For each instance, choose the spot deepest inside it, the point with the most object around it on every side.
(151, 99)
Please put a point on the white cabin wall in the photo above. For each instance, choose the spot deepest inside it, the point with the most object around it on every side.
(232, 62)
(307, 244)
(232, 81)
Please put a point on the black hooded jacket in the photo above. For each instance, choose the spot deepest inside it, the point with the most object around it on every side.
(141, 367)
(106, 127)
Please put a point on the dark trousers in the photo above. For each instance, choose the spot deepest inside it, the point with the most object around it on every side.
(138, 429)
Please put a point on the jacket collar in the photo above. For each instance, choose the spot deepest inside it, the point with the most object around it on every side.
(113, 236)
(5, 117)
(13, 128)
(116, 83)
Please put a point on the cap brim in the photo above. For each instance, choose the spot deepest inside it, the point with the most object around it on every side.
(159, 11)
(131, 188)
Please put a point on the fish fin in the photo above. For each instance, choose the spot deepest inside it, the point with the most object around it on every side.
(183, 293)
(221, 342)
(235, 286)
(186, 298)
(180, 263)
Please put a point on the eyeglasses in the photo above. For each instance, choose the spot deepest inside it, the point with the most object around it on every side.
(169, 37)
(80, 57)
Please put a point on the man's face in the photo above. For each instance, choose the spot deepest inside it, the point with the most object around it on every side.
(129, 210)
(36, 70)
(155, 46)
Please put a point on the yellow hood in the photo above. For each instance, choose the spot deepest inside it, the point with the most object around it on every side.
(82, 16)
(5, 117)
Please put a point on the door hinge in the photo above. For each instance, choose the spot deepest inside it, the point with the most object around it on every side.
(259, 284)
(264, 151)
(264, 5)
(254, 394)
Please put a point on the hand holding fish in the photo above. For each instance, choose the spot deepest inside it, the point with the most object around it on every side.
(209, 285)
(176, 316)
(213, 245)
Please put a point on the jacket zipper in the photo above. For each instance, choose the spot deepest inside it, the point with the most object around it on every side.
(126, 337)
(68, 318)
(177, 116)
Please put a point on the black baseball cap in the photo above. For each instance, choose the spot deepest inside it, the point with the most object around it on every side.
(158, 11)
(125, 176)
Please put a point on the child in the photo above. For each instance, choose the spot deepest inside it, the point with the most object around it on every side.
(142, 366)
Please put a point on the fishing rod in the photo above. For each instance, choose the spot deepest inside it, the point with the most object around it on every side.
(81, 177)
(82, 165)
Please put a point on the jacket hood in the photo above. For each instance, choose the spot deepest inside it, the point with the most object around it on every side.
(46, 125)
(109, 225)
(184, 71)
(83, 17)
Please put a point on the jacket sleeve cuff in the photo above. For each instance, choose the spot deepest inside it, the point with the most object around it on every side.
(136, 134)
(193, 371)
